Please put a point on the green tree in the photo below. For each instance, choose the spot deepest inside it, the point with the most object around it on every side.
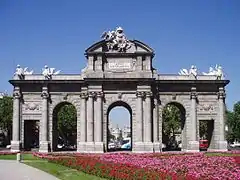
(171, 120)
(203, 129)
(233, 122)
(67, 123)
(6, 115)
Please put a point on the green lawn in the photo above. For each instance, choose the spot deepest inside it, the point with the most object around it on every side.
(221, 154)
(59, 171)
(14, 157)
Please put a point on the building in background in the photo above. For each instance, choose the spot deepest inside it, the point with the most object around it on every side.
(117, 132)
(126, 132)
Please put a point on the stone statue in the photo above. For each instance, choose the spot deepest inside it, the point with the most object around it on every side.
(20, 72)
(48, 72)
(116, 40)
(191, 71)
(218, 72)
(83, 72)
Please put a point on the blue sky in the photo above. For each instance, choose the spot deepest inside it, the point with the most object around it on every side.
(57, 32)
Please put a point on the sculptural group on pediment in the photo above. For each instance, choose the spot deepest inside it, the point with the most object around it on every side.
(116, 40)
(217, 71)
(21, 72)
(46, 72)
(191, 71)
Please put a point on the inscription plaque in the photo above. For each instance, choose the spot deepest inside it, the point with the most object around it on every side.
(117, 65)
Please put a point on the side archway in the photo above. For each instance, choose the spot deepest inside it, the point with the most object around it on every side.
(119, 134)
(173, 126)
(64, 127)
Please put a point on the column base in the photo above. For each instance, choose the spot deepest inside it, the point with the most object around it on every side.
(193, 146)
(148, 146)
(15, 146)
(157, 147)
(99, 147)
(44, 147)
(221, 146)
(90, 147)
(81, 148)
(138, 147)
(142, 147)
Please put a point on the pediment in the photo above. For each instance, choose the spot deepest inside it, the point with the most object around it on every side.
(136, 47)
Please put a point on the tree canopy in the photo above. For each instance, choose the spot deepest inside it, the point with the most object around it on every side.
(6, 112)
(233, 122)
(67, 122)
(171, 119)
(6, 115)
(203, 129)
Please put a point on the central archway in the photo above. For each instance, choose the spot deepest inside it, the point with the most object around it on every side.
(119, 131)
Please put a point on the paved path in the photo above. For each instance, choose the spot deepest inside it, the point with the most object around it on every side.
(13, 170)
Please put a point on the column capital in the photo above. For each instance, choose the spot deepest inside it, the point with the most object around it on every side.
(16, 95)
(83, 95)
(140, 94)
(193, 94)
(149, 94)
(91, 94)
(99, 94)
(221, 95)
(45, 95)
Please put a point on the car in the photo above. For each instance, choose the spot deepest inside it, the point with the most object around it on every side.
(203, 145)
(126, 144)
(235, 144)
(111, 146)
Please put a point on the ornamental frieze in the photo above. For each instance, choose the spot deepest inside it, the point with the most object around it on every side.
(31, 106)
(205, 108)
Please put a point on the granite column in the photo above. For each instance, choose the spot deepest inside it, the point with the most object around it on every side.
(138, 146)
(193, 144)
(83, 123)
(148, 123)
(15, 143)
(44, 121)
(156, 142)
(220, 125)
(90, 122)
(99, 123)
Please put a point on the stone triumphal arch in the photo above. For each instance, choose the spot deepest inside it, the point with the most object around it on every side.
(119, 72)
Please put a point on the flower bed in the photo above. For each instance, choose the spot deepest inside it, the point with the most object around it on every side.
(151, 166)
(7, 153)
